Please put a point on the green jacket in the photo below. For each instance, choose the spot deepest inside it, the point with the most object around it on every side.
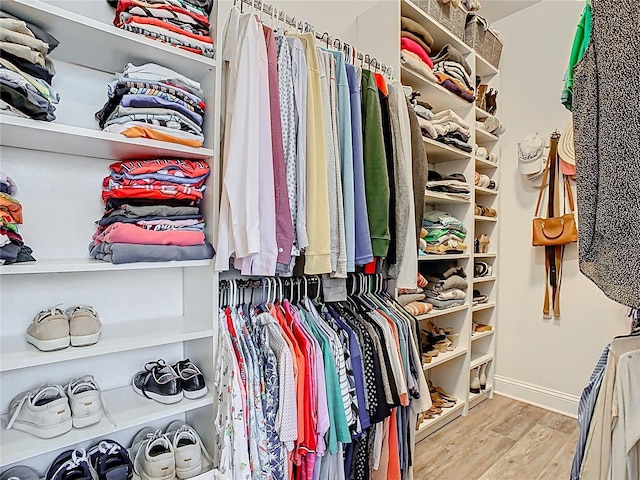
(376, 177)
(580, 44)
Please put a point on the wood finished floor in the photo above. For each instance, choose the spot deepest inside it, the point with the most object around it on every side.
(500, 439)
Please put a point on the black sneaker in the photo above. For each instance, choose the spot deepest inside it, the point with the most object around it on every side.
(70, 465)
(192, 380)
(111, 461)
(158, 381)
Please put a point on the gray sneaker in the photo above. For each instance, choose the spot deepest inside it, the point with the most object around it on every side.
(49, 330)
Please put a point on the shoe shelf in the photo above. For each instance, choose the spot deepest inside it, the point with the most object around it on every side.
(438, 97)
(484, 279)
(483, 164)
(483, 137)
(478, 335)
(480, 113)
(438, 197)
(480, 256)
(83, 41)
(484, 69)
(127, 408)
(486, 191)
(441, 35)
(476, 398)
(91, 265)
(434, 257)
(85, 142)
(439, 313)
(483, 306)
(438, 152)
(16, 353)
(428, 427)
(481, 360)
(482, 218)
(444, 357)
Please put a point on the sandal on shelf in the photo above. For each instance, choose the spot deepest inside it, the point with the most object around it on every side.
(479, 298)
(483, 243)
(479, 327)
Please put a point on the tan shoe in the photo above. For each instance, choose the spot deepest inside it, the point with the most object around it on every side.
(49, 330)
(84, 325)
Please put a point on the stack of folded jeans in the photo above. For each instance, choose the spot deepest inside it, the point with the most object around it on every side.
(454, 185)
(150, 101)
(12, 247)
(181, 23)
(445, 233)
(25, 70)
(447, 127)
(453, 73)
(447, 285)
(153, 213)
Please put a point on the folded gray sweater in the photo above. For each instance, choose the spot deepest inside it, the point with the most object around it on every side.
(118, 253)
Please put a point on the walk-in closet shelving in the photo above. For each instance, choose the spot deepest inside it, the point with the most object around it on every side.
(452, 372)
(148, 310)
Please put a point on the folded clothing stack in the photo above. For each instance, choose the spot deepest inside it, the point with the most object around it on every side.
(413, 299)
(415, 48)
(447, 127)
(181, 23)
(12, 247)
(152, 213)
(454, 185)
(485, 181)
(25, 70)
(445, 233)
(154, 102)
(454, 73)
(447, 285)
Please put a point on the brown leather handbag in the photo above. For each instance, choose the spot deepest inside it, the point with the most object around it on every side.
(556, 231)
(549, 232)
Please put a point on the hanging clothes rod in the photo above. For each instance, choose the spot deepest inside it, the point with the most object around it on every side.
(350, 52)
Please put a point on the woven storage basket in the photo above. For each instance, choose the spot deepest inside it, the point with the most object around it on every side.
(450, 17)
(474, 35)
(496, 50)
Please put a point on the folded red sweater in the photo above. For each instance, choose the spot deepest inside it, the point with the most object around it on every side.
(408, 44)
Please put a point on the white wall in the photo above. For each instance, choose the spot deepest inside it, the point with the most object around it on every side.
(547, 362)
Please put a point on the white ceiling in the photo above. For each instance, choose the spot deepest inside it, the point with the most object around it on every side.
(494, 10)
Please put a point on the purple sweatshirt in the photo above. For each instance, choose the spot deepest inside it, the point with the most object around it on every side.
(364, 253)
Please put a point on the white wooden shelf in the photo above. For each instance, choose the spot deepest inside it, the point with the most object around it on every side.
(94, 44)
(480, 113)
(476, 398)
(483, 137)
(439, 313)
(484, 69)
(444, 357)
(438, 152)
(483, 306)
(91, 265)
(436, 95)
(127, 408)
(484, 279)
(434, 258)
(85, 142)
(483, 164)
(482, 218)
(439, 197)
(441, 36)
(481, 360)
(486, 191)
(118, 337)
(478, 335)
(427, 427)
(480, 256)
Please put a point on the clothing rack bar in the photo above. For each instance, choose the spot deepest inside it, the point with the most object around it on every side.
(351, 54)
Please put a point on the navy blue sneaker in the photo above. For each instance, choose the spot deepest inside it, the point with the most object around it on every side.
(192, 380)
(71, 465)
(111, 461)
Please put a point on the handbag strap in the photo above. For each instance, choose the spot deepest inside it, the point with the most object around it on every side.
(544, 182)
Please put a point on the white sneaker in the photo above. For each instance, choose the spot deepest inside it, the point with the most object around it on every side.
(86, 401)
(43, 412)
(153, 455)
(189, 451)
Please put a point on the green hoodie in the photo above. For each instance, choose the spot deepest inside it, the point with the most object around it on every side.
(376, 177)
(580, 43)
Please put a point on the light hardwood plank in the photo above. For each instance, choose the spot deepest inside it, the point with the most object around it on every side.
(561, 423)
(560, 464)
(529, 456)
(521, 419)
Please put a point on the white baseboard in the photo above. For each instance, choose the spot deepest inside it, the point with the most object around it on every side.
(538, 396)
